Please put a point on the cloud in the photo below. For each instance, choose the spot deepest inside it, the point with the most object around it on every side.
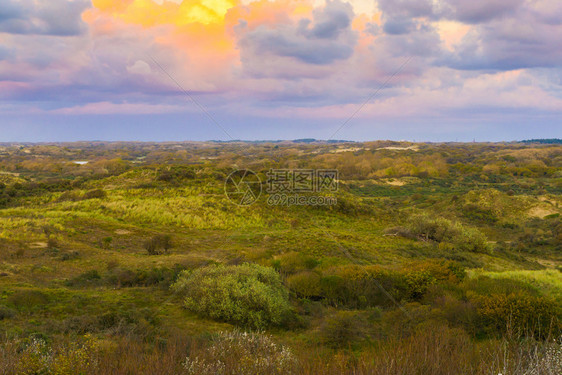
(329, 22)
(478, 11)
(294, 58)
(109, 108)
(406, 8)
(139, 67)
(55, 17)
(322, 40)
(522, 40)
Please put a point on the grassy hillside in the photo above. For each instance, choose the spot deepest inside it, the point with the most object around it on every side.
(430, 247)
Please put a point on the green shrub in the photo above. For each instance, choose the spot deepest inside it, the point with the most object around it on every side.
(359, 287)
(486, 285)
(6, 313)
(28, 299)
(441, 270)
(305, 284)
(36, 356)
(120, 277)
(87, 278)
(94, 194)
(106, 242)
(343, 329)
(157, 242)
(517, 312)
(418, 282)
(248, 295)
(293, 262)
(451, 235)
(52, 243)
(356, 286)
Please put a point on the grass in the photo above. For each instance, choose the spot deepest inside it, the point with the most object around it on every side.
(548, 281)
(53, 243)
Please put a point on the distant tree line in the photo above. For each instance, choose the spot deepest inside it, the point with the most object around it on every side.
(544, 141)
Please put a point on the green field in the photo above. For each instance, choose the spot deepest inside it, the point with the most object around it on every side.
(430, 249)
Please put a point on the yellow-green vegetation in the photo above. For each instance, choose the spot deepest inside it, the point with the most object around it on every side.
(248, 295)
(436, 259)
(549, 281)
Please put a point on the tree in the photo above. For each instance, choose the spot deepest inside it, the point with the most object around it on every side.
(159, 241)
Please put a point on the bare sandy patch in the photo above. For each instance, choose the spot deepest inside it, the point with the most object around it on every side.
(122, 231)
(541, 212)
(38, 245)
(350, 149)
(396, 182)
(413, 148)
(548, 200)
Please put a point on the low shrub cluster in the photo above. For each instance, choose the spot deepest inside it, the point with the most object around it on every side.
(355, 286)
(157, 243)
(435, 350)
(130, 321)
(35, 356)
(27, 299)
(534, 315)
(343, 329)
(449, 235)
(6, 312)
(489, 307)
(241, 353)
(123, 277)
(73, 196)
(248, 295)
(176, 174)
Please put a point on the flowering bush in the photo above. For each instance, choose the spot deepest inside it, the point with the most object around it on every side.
(242, 353)
(37, 357)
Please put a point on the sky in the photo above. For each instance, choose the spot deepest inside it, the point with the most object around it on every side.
(175, 70)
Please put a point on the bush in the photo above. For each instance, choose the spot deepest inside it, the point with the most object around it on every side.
(293, 262)
(52, 243)
(486, 285)
(248, 295)
(27, 299)
(106, 242)
(359, 287)
(517, 312)
(87, 278)
(35, 356)
(70, 195)
(241, 353)
(448, 234)
(6, 313)
(120, 277)
(159, 241)
(94, 194)
(343, 329)
(305, 284)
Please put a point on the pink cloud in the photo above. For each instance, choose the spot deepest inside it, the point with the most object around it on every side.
(103, 108)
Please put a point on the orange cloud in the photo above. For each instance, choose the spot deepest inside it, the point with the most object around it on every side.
(193, 30)
(199, 32)
(149, 13)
